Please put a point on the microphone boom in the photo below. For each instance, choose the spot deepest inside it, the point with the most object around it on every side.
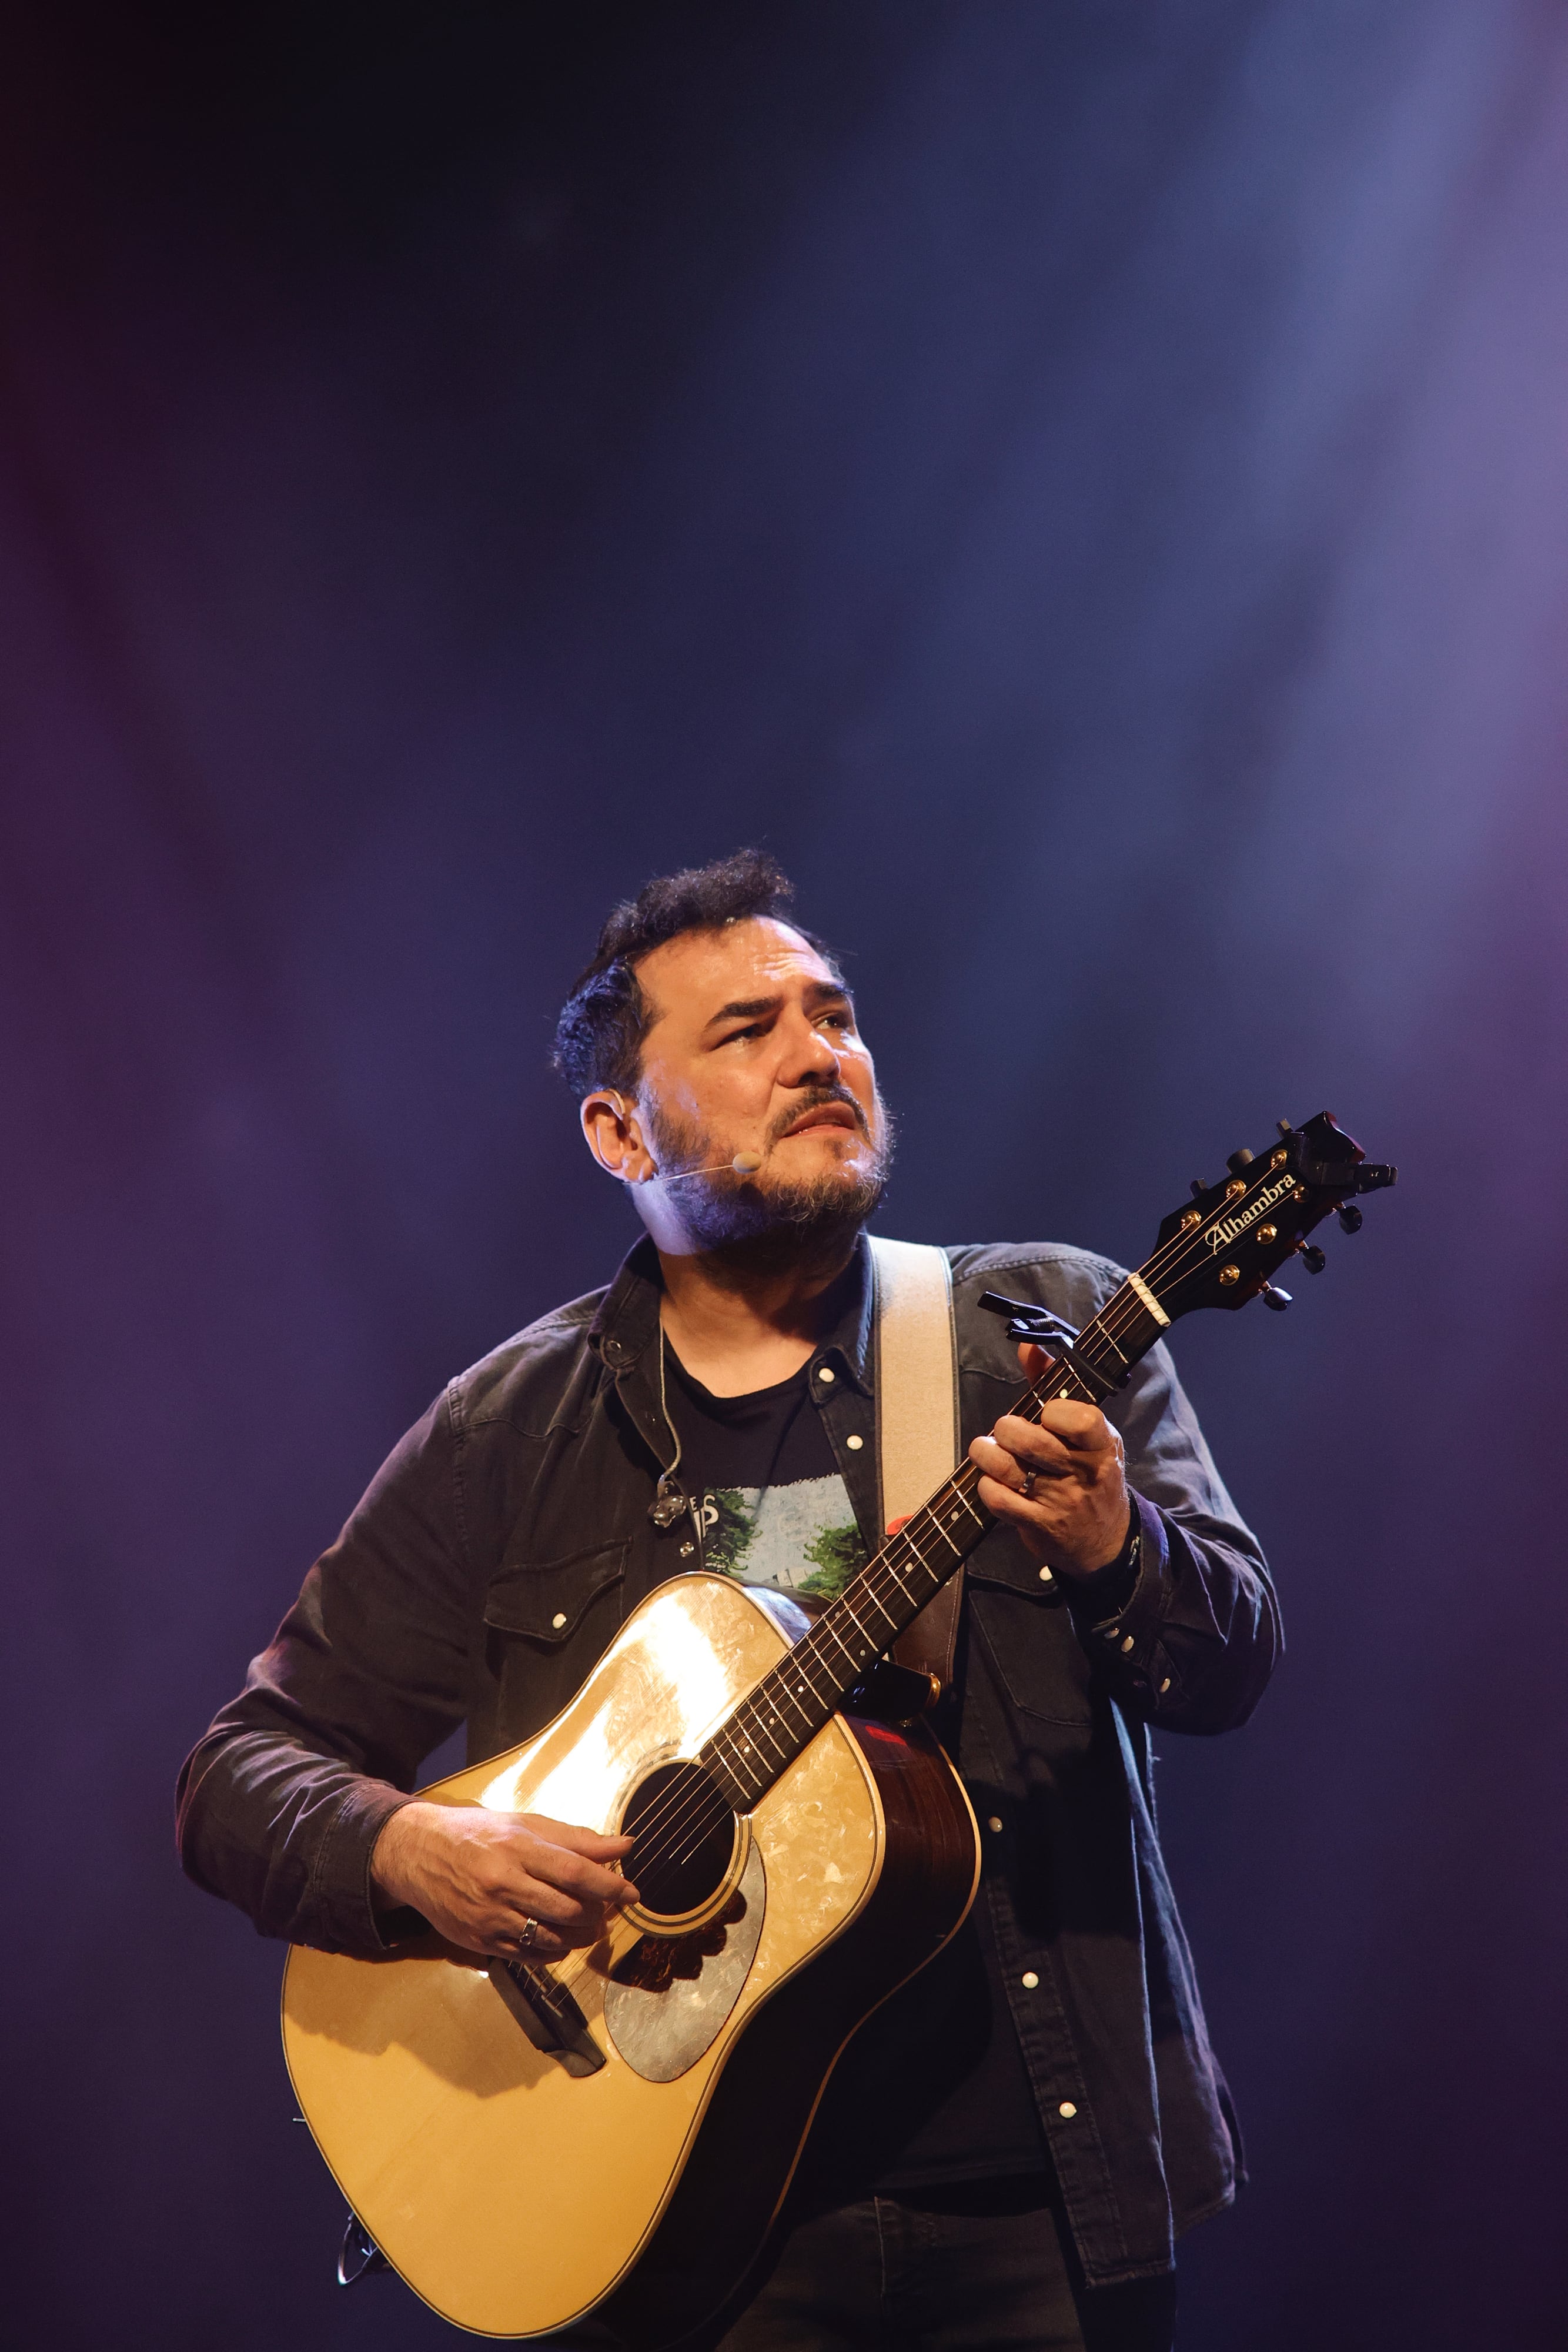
(745, 1163)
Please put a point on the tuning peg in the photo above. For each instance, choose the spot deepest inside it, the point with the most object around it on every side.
(1198, 1188)
(1311, 1257)
(1238, 1161)
(1278, 1300)
(1350, 1218)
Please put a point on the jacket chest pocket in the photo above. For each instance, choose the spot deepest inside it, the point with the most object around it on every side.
(546, 1621)
(1032, 1648)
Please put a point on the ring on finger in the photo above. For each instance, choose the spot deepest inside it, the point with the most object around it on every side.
(525, 1935)
(1029, 1478)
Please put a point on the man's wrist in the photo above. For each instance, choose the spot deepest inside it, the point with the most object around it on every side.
(1110, 1587)
(387, 1886)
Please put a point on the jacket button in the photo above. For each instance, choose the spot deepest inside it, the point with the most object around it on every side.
(825, 1372)
(1127, 1644)
(854, 1443)
(1028, 1979)
(995, 1822)
(1045, 1576)
(1067, 2111)
(558, 1619)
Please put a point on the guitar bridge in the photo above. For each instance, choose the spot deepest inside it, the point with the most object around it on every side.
(547, 2014)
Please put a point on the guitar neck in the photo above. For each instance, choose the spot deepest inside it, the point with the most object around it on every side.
(786, 1709)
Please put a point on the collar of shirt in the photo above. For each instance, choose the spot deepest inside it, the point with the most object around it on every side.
(627, 1323)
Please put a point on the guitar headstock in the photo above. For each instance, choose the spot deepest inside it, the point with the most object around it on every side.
(1220, 1249)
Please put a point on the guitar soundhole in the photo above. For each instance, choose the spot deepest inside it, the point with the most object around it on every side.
(684, 1835)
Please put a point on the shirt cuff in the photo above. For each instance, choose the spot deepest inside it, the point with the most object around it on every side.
(1105, 1592)
(343, 1917)
(1125, 1638)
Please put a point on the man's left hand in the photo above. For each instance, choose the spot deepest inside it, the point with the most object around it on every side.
(1063, 1484)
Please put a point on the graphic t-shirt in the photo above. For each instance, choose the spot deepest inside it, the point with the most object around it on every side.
(932, 2089)
(774, 1508)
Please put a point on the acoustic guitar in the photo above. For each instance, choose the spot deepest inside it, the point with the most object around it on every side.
(614, 2133)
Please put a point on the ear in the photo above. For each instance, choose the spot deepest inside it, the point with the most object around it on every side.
(614, 1135)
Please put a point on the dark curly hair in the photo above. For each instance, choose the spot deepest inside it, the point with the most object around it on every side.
(599, 1036)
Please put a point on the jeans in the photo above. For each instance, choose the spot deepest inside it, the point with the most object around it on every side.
(992, 2269)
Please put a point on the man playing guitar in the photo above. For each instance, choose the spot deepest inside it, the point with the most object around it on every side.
(1012, 2143)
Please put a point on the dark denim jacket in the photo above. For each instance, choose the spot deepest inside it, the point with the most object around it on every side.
(507, 1537)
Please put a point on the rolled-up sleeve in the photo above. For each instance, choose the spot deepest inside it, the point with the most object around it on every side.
(280, 1804)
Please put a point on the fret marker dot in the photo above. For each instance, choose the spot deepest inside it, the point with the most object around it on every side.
(854, 1443)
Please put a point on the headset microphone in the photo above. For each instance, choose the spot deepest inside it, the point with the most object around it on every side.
(745, 1163)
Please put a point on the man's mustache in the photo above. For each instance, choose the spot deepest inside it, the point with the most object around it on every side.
(818, 1099)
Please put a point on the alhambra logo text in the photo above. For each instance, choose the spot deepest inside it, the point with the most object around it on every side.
(1229, 1229)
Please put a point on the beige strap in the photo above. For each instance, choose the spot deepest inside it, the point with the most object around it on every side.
(918, 1419)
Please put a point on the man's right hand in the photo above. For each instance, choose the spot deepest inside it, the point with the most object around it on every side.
(480, 1877)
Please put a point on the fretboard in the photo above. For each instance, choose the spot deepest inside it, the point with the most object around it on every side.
(790, 1706)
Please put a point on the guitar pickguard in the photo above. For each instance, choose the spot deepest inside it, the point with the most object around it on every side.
(662, 2029)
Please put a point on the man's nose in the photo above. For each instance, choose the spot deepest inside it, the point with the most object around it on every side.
(809, 1057)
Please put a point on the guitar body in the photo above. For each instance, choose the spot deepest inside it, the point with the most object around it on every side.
(637, 2176)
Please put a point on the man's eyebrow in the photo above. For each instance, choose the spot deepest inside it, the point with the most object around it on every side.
(749, 1008)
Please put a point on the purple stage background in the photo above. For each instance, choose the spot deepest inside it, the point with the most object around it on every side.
(1088, 485)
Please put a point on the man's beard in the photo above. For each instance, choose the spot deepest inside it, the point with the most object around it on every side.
(760, 1221)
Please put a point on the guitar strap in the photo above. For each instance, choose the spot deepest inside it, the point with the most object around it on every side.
(916, 1361)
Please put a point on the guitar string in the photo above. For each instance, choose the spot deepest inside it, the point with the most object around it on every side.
(1118, 1316)
(683, 1807)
